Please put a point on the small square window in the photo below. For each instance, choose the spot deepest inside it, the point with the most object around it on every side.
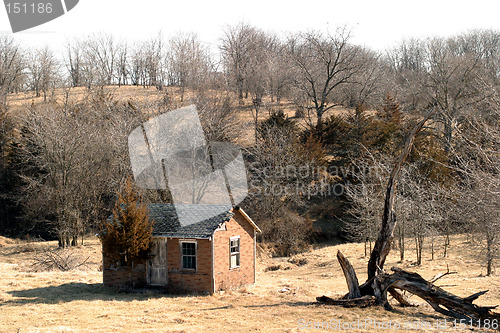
(188, 255)
(234, 249)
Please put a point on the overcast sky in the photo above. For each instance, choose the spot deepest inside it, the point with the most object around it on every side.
(376, 24)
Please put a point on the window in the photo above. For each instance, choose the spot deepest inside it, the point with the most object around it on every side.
(234, 249)
(188, 250)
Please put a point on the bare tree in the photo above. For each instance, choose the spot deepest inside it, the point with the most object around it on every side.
(483, 43)
(284, 176)
(406, 64)
(74, 62)
(12, 64)
(146, 63)
(478, 162)
(259, 78)
(278, 72)
(137, 69)
(367, 87)
(451, 86)
(76, 162)
(237, 47)
(154, 55)
(122, 69)
(43, 70)
(217, 116)
(322, 65)
(52, 146)
(441, 73)
(365, 195)
(101, 57)
(189, 62)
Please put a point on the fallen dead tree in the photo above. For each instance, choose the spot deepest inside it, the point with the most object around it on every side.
(379, 283)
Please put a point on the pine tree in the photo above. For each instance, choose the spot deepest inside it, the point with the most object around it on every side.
(390, 124)
(127, 236)
(391, 110)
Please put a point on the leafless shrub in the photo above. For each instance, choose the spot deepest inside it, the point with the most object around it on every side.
(298, 261)
(59, 259)
(272, 268)
(288, 233)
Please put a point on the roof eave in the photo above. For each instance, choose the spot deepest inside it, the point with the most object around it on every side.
(245, 215)
(182, 237)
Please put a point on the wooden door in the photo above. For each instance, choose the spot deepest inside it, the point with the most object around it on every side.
(158, 263)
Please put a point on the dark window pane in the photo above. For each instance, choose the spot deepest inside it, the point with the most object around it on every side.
(189, 255)
(189, 262)
(188, 249)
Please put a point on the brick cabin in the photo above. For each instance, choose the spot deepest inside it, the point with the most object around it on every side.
(211, 255)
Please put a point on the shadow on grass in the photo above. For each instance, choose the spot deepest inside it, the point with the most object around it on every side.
(288, 303)
(77, 291)
(230, 306)
(418, 315)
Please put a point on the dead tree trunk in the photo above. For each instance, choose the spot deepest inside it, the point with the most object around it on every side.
(379, 283)
(383, 244)
(350, 276)
(440, 300)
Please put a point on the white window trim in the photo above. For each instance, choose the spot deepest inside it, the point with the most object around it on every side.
(231, 253)
(193, 241)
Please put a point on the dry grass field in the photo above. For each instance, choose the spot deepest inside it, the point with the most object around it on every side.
(75, 301)
(283, 299)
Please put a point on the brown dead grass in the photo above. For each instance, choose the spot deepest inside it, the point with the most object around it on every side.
(6, 241)
(76, 301)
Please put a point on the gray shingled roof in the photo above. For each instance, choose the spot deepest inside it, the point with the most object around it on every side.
(167, 224)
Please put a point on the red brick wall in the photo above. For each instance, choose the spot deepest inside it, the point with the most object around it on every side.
(226, 278)
(115, 276)
(199, 280)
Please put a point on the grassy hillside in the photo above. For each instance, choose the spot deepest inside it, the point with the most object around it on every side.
(75, 301)
(150, 99)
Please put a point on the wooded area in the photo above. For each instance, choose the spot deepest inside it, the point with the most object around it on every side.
(329, 120)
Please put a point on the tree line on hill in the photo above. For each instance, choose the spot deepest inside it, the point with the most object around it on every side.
(62, 160)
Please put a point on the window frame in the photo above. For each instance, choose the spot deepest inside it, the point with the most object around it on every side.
(188, 255)
(235, 253)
